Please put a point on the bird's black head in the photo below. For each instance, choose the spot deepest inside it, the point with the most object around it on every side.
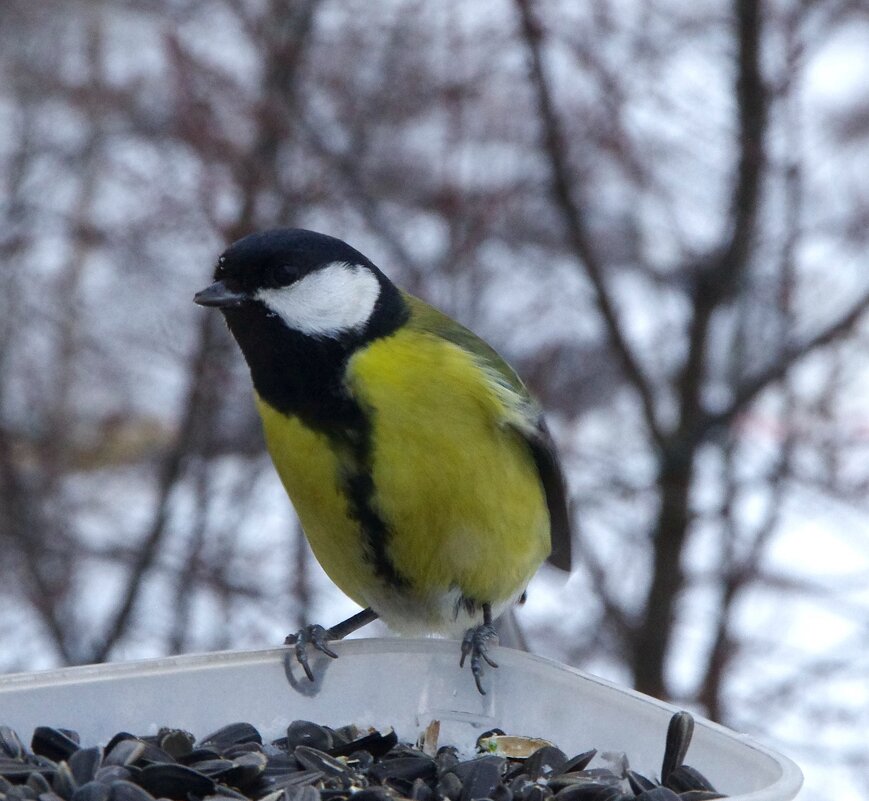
(299, 303)
(316, 284)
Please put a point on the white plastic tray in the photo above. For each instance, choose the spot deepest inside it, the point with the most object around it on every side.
(380, 682)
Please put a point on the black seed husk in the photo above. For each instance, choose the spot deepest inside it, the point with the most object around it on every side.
(127, 791)
(109, 774)
(375, 743)
(233, 734)
(10, 743)
(38, 783)
(176, 742)
(408, 768)
(84, 764)
(481, 779)
(52, 743)
(501, 793)
(304, 732)
(314, 762)
(545, 762)
(579, 762)
(314, 759)
(684, 778)
(449, 786)
(658, 794)
(591, 791)
(638, 783)
(171, 780)
(679, 734)
(91, 791)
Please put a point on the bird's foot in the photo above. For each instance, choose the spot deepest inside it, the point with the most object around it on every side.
(319, 637)
(476, 644)
(313, 635)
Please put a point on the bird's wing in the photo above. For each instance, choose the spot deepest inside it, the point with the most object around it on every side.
(546, 458)
(528, 421)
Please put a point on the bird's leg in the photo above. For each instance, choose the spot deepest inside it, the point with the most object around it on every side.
(476, 643)
(319, 637)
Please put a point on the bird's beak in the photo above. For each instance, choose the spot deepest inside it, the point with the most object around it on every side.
(219, 295)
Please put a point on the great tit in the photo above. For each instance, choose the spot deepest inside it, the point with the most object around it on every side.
(420, 467)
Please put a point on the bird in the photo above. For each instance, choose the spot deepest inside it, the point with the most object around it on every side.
(420, 467)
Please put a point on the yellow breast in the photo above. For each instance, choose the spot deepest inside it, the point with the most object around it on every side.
(458, 488)
(310, 472)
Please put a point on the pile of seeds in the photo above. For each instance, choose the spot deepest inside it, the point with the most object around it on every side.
(318, 763)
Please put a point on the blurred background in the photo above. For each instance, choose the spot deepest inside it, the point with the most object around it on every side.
(657, 210)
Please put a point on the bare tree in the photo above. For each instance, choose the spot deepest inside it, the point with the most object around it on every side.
(629, 205)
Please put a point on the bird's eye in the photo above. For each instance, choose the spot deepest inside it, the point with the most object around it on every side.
(284, 274)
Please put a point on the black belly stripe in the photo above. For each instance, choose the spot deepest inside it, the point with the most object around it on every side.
(359, 488)
(355, 444)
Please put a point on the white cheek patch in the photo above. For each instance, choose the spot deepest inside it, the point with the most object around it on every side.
(333, 300)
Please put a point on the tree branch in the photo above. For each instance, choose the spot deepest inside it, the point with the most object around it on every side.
(752, 103)
(170, 474)
(22, 521)
(575, 222)
(714, 284)
(753, 386)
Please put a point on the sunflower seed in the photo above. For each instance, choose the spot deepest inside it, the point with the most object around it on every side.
(233, 764)
(127, 791)
(55, 744)
(38, 783)
(112, 773)
(449, 786)
(304, 732)
(175, 742)
(63, 782)
(638, 783)
(679, 734)
(591, 791)
(246, 769)
(91, 791)
(313, 759)
(408, 768)
(123, 752)
(171, 780)
(84, 764)
(10, 743)
(481, 779)
(658, 794)
(684, 778)
(230, 735)
(375, 742)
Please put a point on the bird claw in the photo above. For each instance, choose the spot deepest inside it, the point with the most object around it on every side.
(476, 644)
(314, 635)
